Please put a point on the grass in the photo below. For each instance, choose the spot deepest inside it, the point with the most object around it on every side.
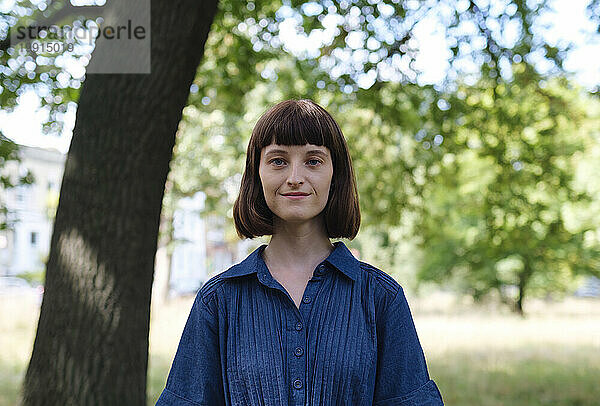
(478, 355)
(18, 318)
(486, 356)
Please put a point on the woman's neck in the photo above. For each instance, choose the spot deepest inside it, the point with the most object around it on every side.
(298, 246)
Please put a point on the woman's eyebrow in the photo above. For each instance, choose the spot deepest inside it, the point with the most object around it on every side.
(276, 151)
(284, 152)
(316, 152)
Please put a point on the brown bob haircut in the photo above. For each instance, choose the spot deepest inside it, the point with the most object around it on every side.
(298, 122)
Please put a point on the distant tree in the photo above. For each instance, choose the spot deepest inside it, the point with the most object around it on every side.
(499, 205)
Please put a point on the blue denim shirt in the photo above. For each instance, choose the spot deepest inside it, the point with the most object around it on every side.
(352, 341)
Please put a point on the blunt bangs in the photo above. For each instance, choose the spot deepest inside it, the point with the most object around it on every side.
(294, 123)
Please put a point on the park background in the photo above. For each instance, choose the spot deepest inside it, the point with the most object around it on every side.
(474, 130)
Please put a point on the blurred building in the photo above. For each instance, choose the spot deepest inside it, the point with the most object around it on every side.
(589, 288)
(198, 252)
(25, 244)
(201, 249)
(188, 260)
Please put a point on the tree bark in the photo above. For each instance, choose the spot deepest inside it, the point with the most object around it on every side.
(91, 346)
(519, 302)
(523, 281)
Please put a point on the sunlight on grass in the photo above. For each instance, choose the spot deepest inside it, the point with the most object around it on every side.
(478, 355)
(487, 356)
(167, 322)
(18, 320)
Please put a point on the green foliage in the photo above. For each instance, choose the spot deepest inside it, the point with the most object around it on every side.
(480, 172)
(421, 172)
(355, 40)
(495, 207)
(44, 73)
(9, 154)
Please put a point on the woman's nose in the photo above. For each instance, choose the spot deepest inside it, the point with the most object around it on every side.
(296, 176)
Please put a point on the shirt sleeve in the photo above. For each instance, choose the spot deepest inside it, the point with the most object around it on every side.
(402, 378)
(195, 376)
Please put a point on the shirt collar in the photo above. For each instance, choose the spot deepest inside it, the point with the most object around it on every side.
(341, 258)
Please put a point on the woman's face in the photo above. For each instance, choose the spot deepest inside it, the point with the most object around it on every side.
(296, 180)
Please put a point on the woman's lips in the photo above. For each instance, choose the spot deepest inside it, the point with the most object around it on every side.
(296, 196)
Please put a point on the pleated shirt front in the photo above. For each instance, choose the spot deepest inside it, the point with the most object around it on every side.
(352, 341)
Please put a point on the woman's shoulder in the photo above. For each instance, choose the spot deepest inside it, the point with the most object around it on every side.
(211, 287)
(384, 280)
(385, 287)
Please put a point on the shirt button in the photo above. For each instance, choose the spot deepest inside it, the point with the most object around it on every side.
(298, 351)
(306, 299)
(298, 326)
(298, 384)
(320, 270)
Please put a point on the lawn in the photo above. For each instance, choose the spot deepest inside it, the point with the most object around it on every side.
(478, 355)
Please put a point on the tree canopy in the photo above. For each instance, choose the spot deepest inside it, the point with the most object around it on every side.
(413, 144)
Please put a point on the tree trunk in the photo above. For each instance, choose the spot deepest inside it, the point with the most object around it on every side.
(523, 280)
(91, 346)
(519, 302)
(162, 271)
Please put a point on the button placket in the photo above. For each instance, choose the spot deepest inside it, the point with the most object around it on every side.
(309, 297)
(298, 371)
(298, 351)
(296, 361)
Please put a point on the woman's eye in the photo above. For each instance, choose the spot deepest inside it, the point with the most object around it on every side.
(277, 161)
(314, 162)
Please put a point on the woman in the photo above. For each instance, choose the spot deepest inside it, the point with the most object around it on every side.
(300, 321)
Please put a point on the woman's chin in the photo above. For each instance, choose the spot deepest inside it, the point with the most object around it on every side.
(295, 219)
